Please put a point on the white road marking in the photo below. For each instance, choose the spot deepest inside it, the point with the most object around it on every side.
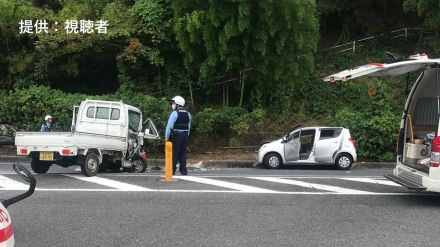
(312, 185)
(224, 184)
(158, 174)
(10, 184)
(109, 183)
(231, 192)
(372, 181)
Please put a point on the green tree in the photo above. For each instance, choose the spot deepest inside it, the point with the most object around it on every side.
(276, 39)
(430, 12)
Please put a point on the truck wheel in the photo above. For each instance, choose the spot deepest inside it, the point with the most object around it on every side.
(40, 166)
(138, 164)
(91, 165)
(272, 161)
(344, 161)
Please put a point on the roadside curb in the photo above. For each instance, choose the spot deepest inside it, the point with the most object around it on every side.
(221, 163)
(15, 159)
(373, 165)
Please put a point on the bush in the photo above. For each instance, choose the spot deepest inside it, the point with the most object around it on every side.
(373, 124)
(230, 120)
(25, 108)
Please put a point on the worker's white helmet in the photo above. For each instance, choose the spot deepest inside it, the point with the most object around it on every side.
(179, 100)
(47, 117)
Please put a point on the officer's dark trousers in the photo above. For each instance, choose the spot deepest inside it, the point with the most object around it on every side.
(180, 142)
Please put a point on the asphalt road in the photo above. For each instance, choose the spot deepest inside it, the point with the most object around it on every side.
(222, 207)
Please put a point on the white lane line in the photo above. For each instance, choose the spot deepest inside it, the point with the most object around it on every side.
(11, 184)
(372, 181)
(232, 192)
(336, 189)
(224, 184)
(109, 183)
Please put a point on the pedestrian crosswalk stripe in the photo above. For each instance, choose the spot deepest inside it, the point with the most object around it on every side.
(372, 181)
(224, 184)
(11, 184)
(110, 183)
(312, 185)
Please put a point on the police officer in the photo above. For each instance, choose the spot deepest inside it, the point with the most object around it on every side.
(177, 131)
(47, 126)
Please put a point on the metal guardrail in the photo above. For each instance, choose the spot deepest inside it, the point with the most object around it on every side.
(353, 45)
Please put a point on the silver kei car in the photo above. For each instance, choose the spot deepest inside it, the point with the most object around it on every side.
(310, 145)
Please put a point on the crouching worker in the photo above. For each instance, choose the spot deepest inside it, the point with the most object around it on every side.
(47, 126)
(177, 131)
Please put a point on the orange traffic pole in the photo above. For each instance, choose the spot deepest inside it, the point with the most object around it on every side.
(168, 161)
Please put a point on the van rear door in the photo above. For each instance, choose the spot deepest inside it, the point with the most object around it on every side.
(382, 69)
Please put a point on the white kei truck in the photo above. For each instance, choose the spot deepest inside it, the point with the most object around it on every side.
(104, 135)
(418, 142)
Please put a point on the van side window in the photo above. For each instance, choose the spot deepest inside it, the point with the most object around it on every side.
(115, 114)
(91, 112)
(103, 113)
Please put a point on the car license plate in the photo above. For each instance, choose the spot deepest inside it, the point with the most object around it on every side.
(46, 155)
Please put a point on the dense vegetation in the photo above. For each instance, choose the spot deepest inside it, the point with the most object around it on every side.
(249, 70)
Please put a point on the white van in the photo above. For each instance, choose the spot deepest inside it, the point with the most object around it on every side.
(418, 145)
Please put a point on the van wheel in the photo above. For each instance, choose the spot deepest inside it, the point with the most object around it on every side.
(40, 166)
(91, 165)
(138, 164)
(344, 161)
(272, 161)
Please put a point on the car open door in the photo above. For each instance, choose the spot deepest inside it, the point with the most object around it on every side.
(383, 69)
(328, 143)
(149, 129)
(292, 145)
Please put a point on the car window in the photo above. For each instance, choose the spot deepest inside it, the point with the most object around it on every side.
(294, 134)
(103, 113)
(307, 136)
(91, 112)
(115, 114)
(329, 133)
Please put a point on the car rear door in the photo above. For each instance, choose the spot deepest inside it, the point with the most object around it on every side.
(382, 69)
(328, 143)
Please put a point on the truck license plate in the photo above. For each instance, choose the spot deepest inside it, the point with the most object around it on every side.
(46, 155)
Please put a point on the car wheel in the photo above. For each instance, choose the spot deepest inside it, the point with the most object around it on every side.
(91, 165)
(344, 162)
(138, 164)
(40, 166)
(272, 161)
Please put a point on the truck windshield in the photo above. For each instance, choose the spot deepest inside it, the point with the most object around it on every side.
(134, 118)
